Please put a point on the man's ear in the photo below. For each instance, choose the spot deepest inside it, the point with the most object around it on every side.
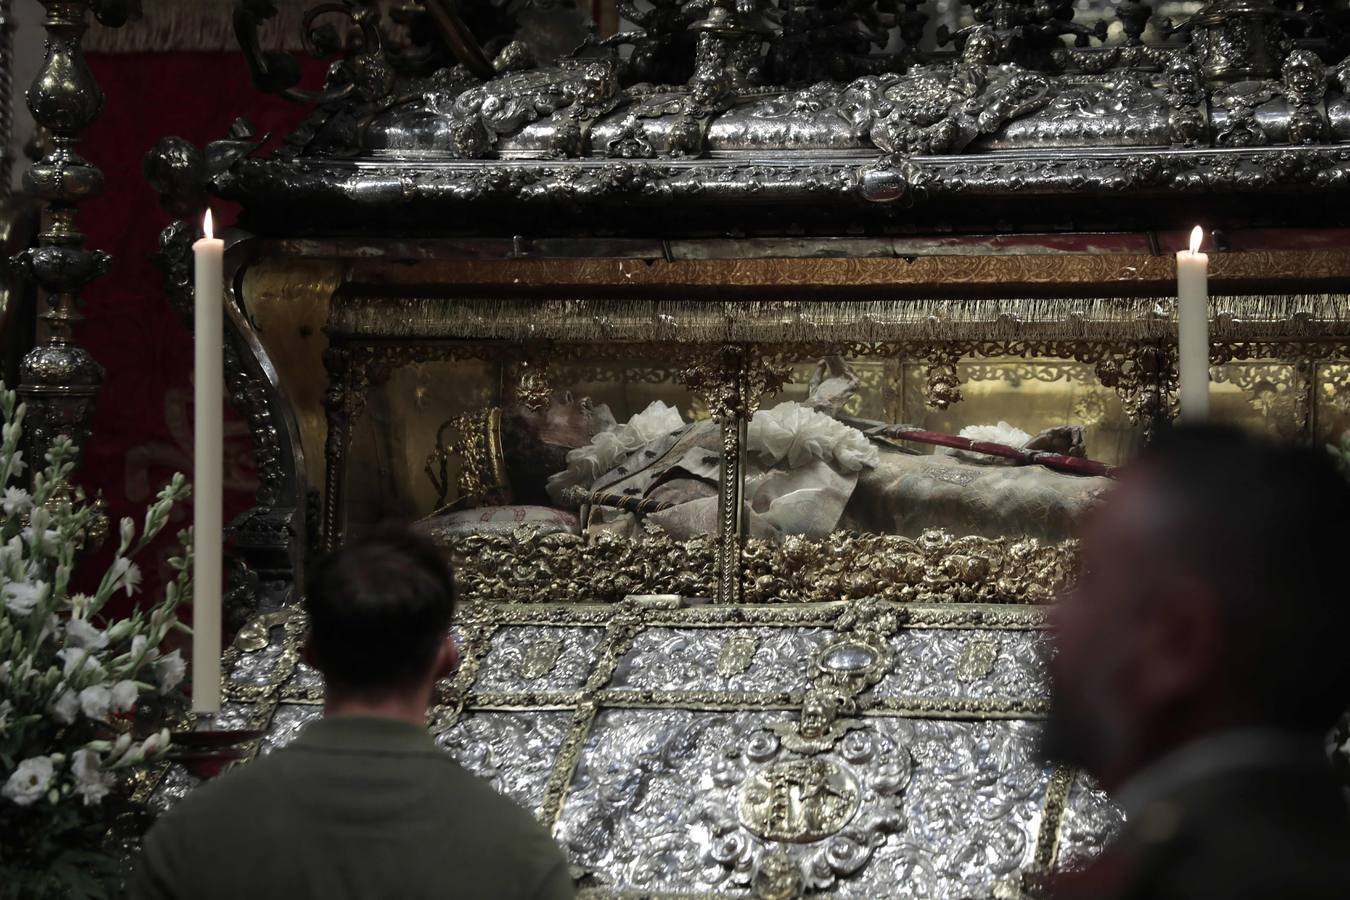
(447, 658)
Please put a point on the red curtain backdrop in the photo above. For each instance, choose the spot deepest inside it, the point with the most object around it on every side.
(142, 426)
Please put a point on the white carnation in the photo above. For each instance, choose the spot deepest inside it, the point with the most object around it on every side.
(95, 701)
(169, 669)
(79, 633)
(128, 530)
(91, 782)
(22, 597)
(29, 781)
(65, 707)
(124, 696)
(77, 661)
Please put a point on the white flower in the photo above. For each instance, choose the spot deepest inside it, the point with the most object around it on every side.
(95, 701)
(119, 748)
(128, 528)
(79, 605)
(29, 781)
(37, 533)
(124, 696)
(15, 501)
(11, 554)
(21, 597)
(79, 633)
(156, 743)
(50, 627)
(17, 465)
(126, 575)
(170, 670)
(77, 661)
(135, 754)
(65, 707)
(91, 782)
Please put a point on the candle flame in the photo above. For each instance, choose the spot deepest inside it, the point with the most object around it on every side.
(206, 226)
(1197, 238)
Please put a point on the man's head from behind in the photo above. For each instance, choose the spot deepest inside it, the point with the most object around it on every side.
(1211, 597)
(379, 617)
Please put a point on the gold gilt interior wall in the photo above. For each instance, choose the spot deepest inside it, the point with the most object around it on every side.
(289, 287)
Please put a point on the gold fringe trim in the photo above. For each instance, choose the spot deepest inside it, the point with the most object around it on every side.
(1266, 317)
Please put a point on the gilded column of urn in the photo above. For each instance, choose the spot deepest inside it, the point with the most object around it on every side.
(731, 380)
(59, 380)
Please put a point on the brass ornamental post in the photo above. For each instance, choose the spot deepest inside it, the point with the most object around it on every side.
(59, 381)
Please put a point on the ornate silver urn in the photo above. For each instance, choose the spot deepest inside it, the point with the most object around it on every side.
(1237, 40)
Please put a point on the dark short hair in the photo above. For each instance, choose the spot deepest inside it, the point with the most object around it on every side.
(379, 608)
(1267, 525)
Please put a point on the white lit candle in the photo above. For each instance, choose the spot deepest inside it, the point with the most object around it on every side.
(1193, 330)
(208, 471)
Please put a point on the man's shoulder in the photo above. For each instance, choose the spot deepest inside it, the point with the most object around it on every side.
(467, 790)
(216, 802)
(1268, 834)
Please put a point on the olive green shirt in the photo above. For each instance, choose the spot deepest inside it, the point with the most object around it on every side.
(356, 807)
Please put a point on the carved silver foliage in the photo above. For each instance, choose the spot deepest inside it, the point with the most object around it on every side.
(287, 722)
(944, 808)
(697, 766)
(306, 678)
(260, 666)
(928, 663)
(687, 659)
(518, 651)
(1090, 821)
(176, 784)
(513, 751)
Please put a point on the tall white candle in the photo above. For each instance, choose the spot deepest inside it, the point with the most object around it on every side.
(1193, 330)
(208, 471)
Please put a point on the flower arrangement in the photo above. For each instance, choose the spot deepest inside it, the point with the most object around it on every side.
(72, 682)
